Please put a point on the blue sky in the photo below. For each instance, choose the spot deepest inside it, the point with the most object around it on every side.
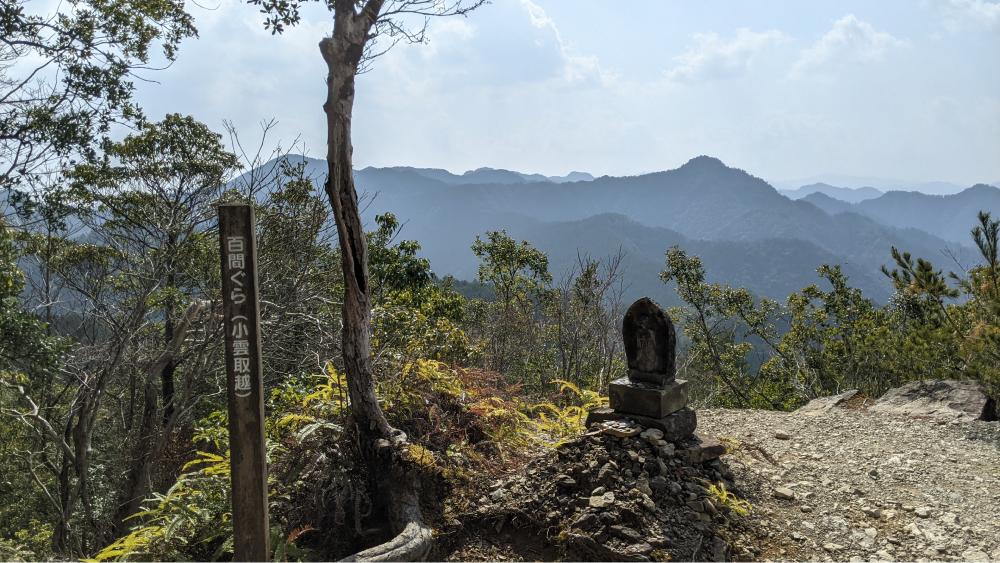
(783, 89)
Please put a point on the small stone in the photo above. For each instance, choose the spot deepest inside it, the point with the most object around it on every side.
(949, 518)
(873, 512)
(619, 428)
(909, 507)
(784, 493)
(658, 483)
(883, 555)
(639, 549)
(586, 521)
(643, 486)
(974, 556)
(806, 508)
(873, 472)
(598, 491)
(565, 481)
(696, 505)
(497, 494)
(709, 507)
(782, 436)
(923, 512)
(653, 434)
(832, 547)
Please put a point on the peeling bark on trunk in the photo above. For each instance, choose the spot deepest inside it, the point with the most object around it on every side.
(343, 53)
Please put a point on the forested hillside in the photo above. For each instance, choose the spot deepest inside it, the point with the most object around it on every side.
(212, 354)
(703, 202)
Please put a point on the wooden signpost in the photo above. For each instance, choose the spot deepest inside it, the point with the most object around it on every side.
(244, 383)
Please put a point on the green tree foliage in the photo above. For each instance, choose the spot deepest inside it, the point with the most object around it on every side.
(65, 74)
(415, 315)
(717, 321)
(511, 331)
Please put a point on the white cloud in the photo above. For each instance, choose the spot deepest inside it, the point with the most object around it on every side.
(957, 12)
(578, 68)
(715, 58)
(850, 41)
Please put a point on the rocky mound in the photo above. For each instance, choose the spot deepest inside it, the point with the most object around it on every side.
(603, 497)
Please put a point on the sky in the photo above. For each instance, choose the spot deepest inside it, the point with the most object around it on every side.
(901, 89)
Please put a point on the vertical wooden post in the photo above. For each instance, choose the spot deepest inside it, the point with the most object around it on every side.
(244, 383)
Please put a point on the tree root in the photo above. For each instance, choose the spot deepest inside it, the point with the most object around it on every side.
(413, 539)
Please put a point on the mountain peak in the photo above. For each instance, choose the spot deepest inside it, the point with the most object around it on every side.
(704, 162)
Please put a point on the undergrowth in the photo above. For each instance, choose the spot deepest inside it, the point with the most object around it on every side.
(461, 423)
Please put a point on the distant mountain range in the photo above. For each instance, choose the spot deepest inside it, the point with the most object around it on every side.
(852, 195)
(745, 231)
(493, 176)
(881, 184)
(950, 217)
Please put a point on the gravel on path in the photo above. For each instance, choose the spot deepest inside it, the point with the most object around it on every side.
(849, 484)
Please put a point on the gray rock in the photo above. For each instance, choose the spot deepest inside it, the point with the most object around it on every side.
(658, 483)
(824, 404)
(586, 521)
(940, 399)
(676, 426)
(974, 556)
(783, 493)
(602, 414)
(704, 448)
(654, 400)
(923, 511)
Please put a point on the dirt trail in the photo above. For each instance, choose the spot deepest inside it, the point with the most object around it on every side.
(855, 485)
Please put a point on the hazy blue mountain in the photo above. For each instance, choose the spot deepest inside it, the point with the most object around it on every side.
(572, 177)
(950, 217)
(758, 237)
(829, 204)
(850, 195)
(882, 184)
(770, 267)
(489, 176)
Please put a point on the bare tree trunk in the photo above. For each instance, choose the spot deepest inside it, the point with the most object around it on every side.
(149, 447)
(342, 54)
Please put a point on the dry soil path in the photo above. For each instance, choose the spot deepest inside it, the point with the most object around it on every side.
(853, 485)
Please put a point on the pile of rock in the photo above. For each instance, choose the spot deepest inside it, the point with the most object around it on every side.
(616, 498)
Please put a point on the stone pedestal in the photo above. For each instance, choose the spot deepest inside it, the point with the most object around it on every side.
(646, 399)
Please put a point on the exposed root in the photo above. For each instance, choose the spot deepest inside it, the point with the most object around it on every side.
(413, 539)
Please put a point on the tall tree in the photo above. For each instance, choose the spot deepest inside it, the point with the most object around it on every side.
(362, 30)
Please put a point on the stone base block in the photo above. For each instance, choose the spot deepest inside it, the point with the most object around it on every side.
(647, 400)
(676, 426)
